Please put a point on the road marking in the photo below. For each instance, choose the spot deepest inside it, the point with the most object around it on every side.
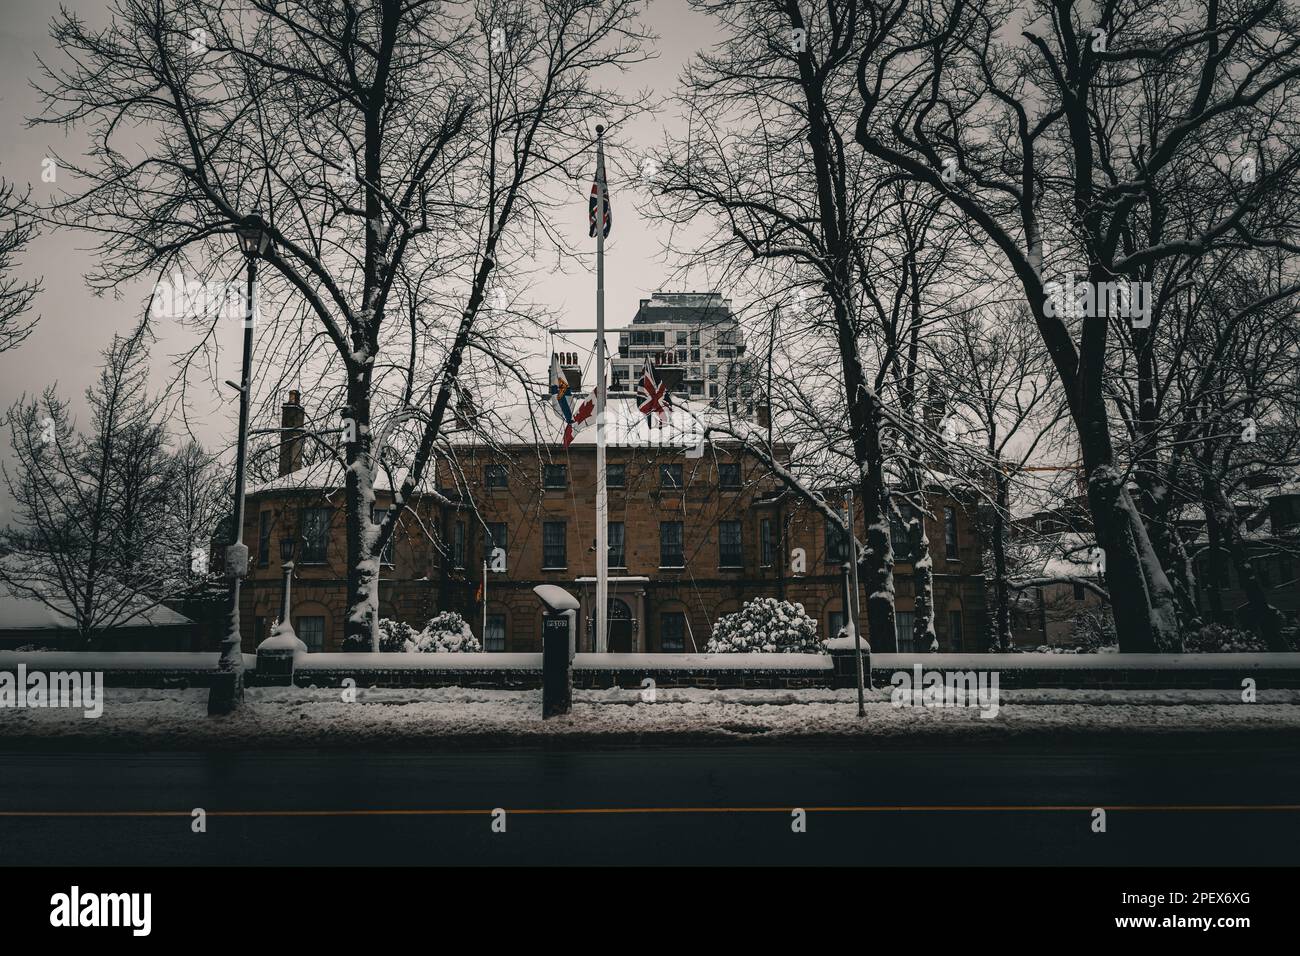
(573, 811)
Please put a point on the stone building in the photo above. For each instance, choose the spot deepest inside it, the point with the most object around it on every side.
(691, 539)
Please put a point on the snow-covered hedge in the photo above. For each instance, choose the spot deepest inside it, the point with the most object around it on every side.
(766, 625)
(446, 632)
(1218, 639)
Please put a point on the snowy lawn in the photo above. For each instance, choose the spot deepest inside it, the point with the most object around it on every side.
(174, 719)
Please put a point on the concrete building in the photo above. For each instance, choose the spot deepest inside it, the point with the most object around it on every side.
(696, 333)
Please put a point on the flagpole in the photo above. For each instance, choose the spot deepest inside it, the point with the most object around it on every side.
(602, 503)
(485, 604)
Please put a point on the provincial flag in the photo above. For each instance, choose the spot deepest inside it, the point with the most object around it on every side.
(650, 395)
(563, 404)
(599, 187)
(478, 593)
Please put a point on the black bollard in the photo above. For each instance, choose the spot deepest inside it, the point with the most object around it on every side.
(557, 663)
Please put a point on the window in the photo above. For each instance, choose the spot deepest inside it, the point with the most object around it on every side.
(494, 538)
(555, 476)
(765, 548)
(311, 631)
(729, 550)
(647, 338)
(375, 518)
(672, 632)
(695, 355)
(904, 621)
(670, 545)
(729, 475)
(615, 475)
(494, 476)
(554, 541)
(1078, 591)
(617, 557)
(713, 371)
(834, 622)
(837, 543)
(696, 388)
(670, 476)
(315, 534)
(458, 545)
(494, 639)
(264, 538)
(259, 630)
(900, 535)
(681, 338)
(950, 532)
(954, 631)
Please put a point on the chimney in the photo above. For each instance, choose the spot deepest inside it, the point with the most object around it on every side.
(292, 418)
(572, 370)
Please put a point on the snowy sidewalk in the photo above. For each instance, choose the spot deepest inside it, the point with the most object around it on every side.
(304, 717)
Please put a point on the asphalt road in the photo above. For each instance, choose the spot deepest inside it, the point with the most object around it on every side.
(1212, 804)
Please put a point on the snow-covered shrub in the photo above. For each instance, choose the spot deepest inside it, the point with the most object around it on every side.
(1218, 639)
(446, 632)
(767, 625)
(394, 635)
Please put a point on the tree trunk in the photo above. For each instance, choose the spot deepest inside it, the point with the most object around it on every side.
(1001, 637)
(1141, 598)
(923, 633)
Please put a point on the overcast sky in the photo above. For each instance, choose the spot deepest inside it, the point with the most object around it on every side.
(75, 324)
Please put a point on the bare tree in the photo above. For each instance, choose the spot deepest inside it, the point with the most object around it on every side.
(387, 146)
(16, 230)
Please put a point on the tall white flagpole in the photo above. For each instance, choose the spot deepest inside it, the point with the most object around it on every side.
(602, 503)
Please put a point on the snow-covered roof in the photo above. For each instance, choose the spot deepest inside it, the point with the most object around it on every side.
(20, 612)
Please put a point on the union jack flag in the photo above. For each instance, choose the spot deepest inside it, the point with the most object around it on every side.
(599, 186)
(650, 395)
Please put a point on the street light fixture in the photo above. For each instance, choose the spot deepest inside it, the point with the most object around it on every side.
(286, 562)
(228, 683)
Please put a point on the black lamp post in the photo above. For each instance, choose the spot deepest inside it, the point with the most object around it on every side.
(228, 686)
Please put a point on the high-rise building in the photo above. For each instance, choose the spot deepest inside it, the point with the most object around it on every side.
(695, 335)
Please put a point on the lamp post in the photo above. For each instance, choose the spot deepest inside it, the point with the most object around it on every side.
(286, 561)
(228, 683)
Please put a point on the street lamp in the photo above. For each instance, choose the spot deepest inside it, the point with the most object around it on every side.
(228, 682)
(286, 561)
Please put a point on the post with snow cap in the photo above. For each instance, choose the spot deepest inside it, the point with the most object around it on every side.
(599, 645)
(851, 610)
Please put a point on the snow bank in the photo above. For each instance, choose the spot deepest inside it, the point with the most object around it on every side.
(297, 717)
(418, 662)
(706, 662)
(116, 660)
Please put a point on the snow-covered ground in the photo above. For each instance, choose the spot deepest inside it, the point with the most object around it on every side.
(174, 719)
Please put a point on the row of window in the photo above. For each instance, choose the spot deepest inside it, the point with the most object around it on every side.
(906, 546)
(556, 476)
(314, 524)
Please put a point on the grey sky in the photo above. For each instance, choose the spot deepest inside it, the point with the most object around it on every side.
(75, 324)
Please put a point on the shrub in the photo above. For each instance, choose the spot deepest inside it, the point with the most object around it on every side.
(766, 625)
(394, 635)
(1219, 639)
(446, 632)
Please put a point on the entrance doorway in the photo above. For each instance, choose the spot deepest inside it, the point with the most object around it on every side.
(620, 627)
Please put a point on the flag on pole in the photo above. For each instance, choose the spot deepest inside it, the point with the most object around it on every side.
(650, 395)
(562, 403)
(599, 188)
(478, 593)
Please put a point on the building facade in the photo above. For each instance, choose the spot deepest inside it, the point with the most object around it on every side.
(691, 539)
(696, 335)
